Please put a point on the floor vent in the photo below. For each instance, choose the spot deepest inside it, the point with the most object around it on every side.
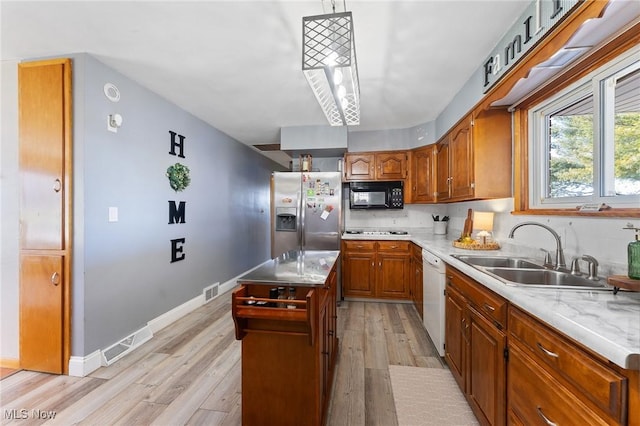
(210, 292)
(126, 345)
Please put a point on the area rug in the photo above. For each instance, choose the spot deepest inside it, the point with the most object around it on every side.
(428, 396)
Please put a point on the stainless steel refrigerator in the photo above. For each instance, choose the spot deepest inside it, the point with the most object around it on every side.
(306, 211)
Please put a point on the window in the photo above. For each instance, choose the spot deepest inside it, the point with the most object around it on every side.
(585, 141)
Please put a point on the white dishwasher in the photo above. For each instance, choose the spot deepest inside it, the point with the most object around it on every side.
(433, 298)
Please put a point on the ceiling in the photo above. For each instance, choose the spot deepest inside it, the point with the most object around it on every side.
(237, 64)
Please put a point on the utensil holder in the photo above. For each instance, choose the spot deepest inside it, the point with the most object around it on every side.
(440, 228)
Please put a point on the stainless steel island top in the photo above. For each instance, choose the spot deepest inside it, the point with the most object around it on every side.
(300, 268)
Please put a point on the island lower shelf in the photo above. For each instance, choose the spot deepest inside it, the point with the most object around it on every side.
(288, 355)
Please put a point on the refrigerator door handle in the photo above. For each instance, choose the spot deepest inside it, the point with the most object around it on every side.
(301, 209)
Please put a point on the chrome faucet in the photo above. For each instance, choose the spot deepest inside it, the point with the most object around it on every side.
(560, 263)
(593, 267)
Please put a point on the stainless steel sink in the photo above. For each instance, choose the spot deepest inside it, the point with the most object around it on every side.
(497, 261)
(545, 278)
(519, 271)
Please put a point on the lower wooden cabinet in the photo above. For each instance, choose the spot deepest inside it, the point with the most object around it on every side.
(376, 269)
(515, 369)
(475, 346)
(535, 397)
(456, 340)
(358, 268)
(552, 377)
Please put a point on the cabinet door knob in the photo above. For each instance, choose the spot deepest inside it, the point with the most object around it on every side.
(57, 185)
(55, 278)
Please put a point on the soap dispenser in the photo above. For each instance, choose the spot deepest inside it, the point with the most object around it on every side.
(634, 255)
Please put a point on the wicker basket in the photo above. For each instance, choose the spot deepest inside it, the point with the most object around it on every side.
(477, 245)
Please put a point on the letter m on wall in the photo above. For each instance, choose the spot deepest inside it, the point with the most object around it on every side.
(176, 214)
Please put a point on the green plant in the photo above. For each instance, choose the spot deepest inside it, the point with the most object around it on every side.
(178, 175)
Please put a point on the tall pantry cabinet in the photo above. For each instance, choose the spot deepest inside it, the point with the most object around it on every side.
(44, 123)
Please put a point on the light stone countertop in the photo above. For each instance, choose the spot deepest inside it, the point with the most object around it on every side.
(309, 268)
(607, 324)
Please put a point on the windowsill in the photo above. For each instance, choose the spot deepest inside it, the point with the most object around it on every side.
(609, 213)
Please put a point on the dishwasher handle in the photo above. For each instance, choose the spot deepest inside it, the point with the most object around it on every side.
(433, 261)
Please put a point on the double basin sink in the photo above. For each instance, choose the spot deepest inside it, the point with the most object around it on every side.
(524, 272)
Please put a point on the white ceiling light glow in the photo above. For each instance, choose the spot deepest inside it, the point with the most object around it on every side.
(329, 64)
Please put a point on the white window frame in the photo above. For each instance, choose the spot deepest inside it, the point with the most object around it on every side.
(597, 84)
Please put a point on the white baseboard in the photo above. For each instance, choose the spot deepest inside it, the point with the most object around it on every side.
(83, 366)
(175, 314)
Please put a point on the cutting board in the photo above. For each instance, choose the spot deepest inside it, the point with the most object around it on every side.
(468, 224)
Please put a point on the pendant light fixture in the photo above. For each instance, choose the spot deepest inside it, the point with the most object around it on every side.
(329, 64)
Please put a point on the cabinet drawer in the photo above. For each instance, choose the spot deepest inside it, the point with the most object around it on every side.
(394, 246)
(358, 245)
(486, 302)
(536, 398)
(597, 384)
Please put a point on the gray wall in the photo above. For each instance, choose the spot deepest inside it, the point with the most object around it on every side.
(122, 275)
(381, 140)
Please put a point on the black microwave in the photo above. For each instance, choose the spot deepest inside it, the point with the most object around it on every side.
(376, 195)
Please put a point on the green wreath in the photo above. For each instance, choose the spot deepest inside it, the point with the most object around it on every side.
(178, 175)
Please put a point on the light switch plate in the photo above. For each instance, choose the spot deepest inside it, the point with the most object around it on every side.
(113, 214)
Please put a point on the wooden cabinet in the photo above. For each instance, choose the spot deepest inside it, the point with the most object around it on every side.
(455, 163)
(385, 165)
(456, 340)
(416, 288)
(45, 167)
(376, 269)
(515, 369)
(358, 268)
(288, 355)
(391, 165)
(393, 275)
(551, 377)
(442, 170)
(423, 175)
(359, 166)
(475, 345)
(474, 159)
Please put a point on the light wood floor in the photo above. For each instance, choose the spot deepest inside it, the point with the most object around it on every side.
(189, 373)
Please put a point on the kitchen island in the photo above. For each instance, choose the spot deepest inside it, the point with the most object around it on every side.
(288, 346)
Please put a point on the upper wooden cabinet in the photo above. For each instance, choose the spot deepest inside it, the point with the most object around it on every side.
(474, 159)
(391, 165)
(423, 175)
(387, 165)
(359, 166)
